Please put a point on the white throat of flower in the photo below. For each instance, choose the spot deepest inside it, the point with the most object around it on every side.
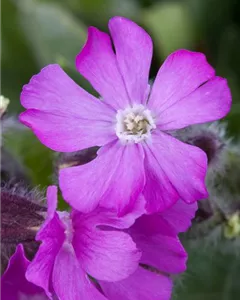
(134, 124)
(66, 220)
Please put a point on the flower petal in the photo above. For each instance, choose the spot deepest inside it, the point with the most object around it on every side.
(13, 282)
(97, 63)
(142, 285)
(59, 112)
(117, 175)
(174, 171)
(134, 54)
(152, 224)
(158, 190)
(160, 247)
(106, 255)
(107, 217)
(182, 72)
(69, 280)
(64, 134)
(40, 269)
(52, 236)
(52, 227)
(179, 215)
(52, 90)
(209, 102)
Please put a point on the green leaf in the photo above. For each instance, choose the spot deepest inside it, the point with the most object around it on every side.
(98, 12)
(17, 61)
(228, 66)
(171, 26)
(54, 35)
(211, 275)
(51, 31)
(32, 154)
(35, 157)
(211, 17)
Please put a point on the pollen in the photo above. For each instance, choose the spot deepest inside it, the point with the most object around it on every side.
(134, 124)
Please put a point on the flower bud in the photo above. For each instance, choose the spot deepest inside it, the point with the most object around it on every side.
(22, 213)
(211, 138)
(3, 105)
(232, 226)
(12, 171)
(224, 187)
(82, 157)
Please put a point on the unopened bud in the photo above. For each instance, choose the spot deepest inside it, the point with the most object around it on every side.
(3, 105)
(209, 144)
(211, 138)
(82, 157)
(224, 187)
(232, 226)
(204, 212)
(12, 171)
(22, 213)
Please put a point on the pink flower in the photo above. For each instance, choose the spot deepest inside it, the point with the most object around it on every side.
(14, 285)
(156, 237)
(74, 245)
(99, 244)
(131, 123)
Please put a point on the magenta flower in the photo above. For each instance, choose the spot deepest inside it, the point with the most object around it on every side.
(99, 244)
(74, 245)
(14, 285)
(156, 237)
(130, 123)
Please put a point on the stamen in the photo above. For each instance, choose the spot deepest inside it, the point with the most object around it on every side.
(134, 124)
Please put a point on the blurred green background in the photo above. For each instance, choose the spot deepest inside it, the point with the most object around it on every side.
(39, 32)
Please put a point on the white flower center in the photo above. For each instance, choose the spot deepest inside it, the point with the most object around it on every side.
(66, 220)
(134, 124)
